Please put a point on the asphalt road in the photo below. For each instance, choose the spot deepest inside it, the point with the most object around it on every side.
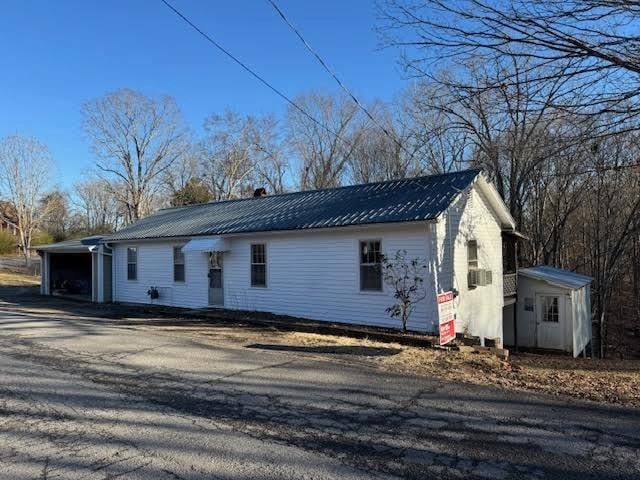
(84, 397)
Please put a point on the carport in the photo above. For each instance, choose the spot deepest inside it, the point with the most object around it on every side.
(77, 268)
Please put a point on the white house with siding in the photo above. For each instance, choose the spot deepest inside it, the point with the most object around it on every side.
(317, 254)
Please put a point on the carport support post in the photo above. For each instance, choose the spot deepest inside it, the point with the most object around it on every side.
(44, 273)
(515, 305)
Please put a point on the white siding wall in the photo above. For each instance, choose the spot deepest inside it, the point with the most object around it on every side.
(479, 310)
(581, 335)
(315, 274)
(311, 274)
(155, 268)
(577, 314)
(528, 288)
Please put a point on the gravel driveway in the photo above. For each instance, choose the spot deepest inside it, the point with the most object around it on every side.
(84, 397)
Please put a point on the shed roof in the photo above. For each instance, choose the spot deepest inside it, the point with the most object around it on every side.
(406, 200)
(556, 276)
(72, 246)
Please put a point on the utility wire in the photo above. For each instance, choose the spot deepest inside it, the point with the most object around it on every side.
(336, 78)
(252, 72)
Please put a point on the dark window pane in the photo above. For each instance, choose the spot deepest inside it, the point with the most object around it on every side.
(178, 265)
(258, 265)
(258, 276)
(257, 253)
(132, 255)
(215, 278)
(178, 273)
(370, 265)
(472, 253)
(131, 271)
(551, 309)
(370, 252)
(178, 255)
(370, 277)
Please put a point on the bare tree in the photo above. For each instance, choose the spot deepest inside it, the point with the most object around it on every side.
(381, 156)
(607, 223)
(589, 45)
(273, 167)
(326, 147)
(546, 93)
(136, 139)
(183, 170)
(56, 221)
(406, 277)
(25, 172)
(238, 152)
(98, 209)
(506, 131)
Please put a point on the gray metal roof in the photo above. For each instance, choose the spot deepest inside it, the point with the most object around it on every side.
(71, 246)
(556, 276)
(407, 200)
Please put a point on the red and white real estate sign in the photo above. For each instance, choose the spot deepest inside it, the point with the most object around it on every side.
(447, 318)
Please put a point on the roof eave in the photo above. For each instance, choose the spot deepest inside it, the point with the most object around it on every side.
(507, 221)
(539, 276)
(107, 241)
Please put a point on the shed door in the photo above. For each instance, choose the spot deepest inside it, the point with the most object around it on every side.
(550, 321)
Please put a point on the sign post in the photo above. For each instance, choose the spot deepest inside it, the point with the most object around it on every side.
(446, 317)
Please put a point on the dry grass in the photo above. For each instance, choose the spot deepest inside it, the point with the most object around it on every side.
(16, 279)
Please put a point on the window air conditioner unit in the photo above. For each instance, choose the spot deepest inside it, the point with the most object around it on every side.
(479, 278)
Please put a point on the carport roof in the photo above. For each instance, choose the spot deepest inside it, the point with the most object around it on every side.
(556, 276)
(81, 245)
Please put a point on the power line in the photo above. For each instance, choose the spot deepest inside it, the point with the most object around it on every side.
(335, 77)
(252, 72)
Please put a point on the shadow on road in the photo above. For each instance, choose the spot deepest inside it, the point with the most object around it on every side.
(335, 349)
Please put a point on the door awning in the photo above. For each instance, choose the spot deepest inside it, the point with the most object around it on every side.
(215, 244)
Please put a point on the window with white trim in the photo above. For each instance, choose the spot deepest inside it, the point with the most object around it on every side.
(178, 264)
(472, 254)
(370, 266)
(258, 265)
(132, 263)
(550, 309)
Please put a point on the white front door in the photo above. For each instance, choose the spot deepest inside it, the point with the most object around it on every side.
(550, 321)
(216, 291)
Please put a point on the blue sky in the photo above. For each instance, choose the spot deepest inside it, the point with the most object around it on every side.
(57, 54)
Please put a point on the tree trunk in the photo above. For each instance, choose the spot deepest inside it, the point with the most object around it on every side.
(601, 333)
(25, 249)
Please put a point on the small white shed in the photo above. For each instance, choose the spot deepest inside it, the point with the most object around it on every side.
(553, 309)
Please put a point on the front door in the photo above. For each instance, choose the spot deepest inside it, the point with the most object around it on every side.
(550, 321)
(216, 293)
